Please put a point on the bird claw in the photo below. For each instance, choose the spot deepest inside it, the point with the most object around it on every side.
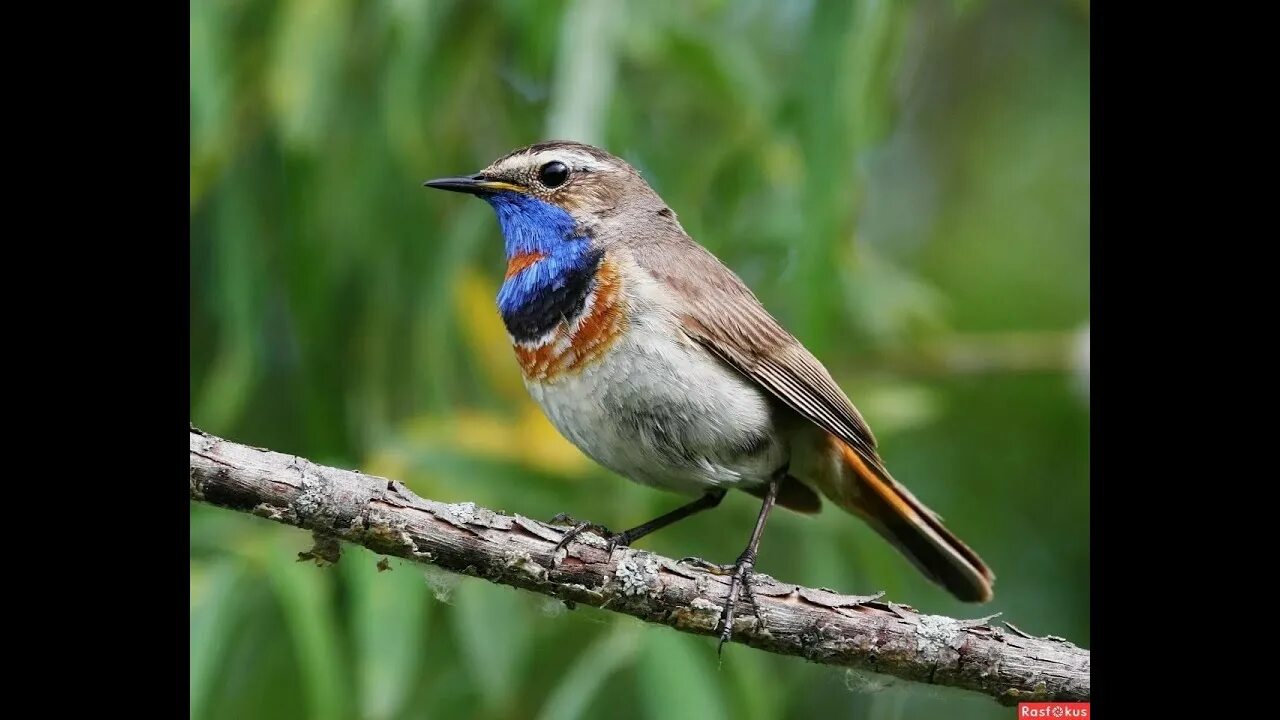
(563, 518)
(615, 541)
(739, 575)
(713, 568)
(739, 582)
(578, 529)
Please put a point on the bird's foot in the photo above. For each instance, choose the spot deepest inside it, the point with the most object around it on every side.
(563, 518)
(617, 540)
(713, 568)
(739, 583)
(613, 540)
(577, 529)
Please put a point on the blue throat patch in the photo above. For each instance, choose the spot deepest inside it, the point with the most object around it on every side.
(538, 297)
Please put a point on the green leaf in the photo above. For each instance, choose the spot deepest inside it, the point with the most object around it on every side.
(584, 679)
(388, 620)
(492, 627)
(676, 677)
(305, 595)
(748, 671)
(585, 67)
(308, 56)
(215, 610)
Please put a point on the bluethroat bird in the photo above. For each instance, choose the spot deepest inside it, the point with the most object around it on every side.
(660, 364)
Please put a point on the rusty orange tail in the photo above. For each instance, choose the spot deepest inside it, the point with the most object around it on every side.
(867, 491)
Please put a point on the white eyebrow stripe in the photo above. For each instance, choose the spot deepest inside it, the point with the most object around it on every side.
(575, 160)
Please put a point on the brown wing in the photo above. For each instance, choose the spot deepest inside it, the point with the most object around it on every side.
(721, 313)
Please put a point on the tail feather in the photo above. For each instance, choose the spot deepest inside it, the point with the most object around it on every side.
(867, 490)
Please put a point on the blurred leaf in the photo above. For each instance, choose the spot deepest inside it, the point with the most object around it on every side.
(890, 304)
(237, 298)
(896, 406)
(757, 695)
(226, 388)
(305, 600)
(492, 627)
(585, 678)
(888, 705)
(872, 50)
(210, 95)
(676, 677)
(584, 74)
(967, 7)
(214, 613)
(388, 622)
(528, 439)
(486, 336)
(414, 29)
(308, 57)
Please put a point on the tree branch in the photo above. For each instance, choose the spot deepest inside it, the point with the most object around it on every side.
(863, 632)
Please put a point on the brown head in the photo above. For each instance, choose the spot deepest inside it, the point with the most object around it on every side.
(601, 192)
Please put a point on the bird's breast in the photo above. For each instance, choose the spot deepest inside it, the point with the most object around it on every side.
(628, 389)
(575, 343)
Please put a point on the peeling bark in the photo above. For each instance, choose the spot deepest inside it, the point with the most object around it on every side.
(864, 632)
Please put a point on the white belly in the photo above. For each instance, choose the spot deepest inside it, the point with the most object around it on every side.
(666, 413)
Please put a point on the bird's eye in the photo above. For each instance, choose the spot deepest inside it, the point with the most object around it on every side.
(553, 174)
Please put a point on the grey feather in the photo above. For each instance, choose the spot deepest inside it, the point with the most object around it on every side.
(722, 314)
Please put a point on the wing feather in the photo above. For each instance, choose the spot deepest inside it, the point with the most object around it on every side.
(718, 311)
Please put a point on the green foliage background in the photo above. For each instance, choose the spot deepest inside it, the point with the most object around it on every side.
(904, 184)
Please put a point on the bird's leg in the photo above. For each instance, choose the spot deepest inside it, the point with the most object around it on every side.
(626, 537)
(567, 519)
(709, 500)
(740, 579)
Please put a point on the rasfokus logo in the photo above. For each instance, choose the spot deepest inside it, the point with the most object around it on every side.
(1053, 710)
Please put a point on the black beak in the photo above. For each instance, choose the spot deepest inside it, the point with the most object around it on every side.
(474, 185)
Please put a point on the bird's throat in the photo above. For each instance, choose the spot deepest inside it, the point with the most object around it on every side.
(551, 268)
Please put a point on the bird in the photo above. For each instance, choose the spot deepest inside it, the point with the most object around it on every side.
(658, 362)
